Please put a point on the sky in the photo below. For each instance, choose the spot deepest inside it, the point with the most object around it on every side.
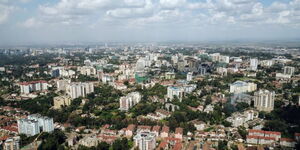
(59, 21)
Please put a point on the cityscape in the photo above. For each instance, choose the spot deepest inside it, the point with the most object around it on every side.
(150, 75)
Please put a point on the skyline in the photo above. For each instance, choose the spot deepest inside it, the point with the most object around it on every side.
(58, 21)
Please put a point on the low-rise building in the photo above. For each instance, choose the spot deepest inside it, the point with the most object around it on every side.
(169, 75)
(130, 130)
(164, 132)
(12, 143)
(179, 133)
(287, 142)
(89, 141)
(60, 101)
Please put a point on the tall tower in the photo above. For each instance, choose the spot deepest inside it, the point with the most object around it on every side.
(253, 64)
(264, 100)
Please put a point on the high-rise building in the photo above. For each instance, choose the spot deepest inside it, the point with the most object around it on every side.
(145, 141)
(12, 143)
(106, 78)
(87, 70)
(33, 86)
(267, 63)
(253, 64)
(45, 123)
(61, 72)
(264, 100)
(215, 57)
(189, 76)
(34, 124)
(224, 59)
(62, 84)
(175, 92)
(28, 127)
(202, 69)
(289, 70)
(79, 89)
(126, 102)
(242, 87)
(142, 63)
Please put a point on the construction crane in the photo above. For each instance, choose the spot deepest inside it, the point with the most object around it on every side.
(34, 143)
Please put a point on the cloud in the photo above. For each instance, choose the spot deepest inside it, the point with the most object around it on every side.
(141, 12)
(172, 3)
(31, 22)
(5, 12)
(144, 9)
(25, 1)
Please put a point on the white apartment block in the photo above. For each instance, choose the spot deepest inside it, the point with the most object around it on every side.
(222, 71)
(179, 91)
(253, 64)
(28, 127)
(126, 102)
(242, 87)
(45, 123)
(224, 59)
(80, 89)
(220, 58)
(87, 70)
(174, 91)
(107, 78)
(239, 119)
(62, 72)
(62, 84)
(33, 86)
(189, 76)
(267, 63)
(145, 141)
(142, 63)
(264, 100)
(289, 70)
